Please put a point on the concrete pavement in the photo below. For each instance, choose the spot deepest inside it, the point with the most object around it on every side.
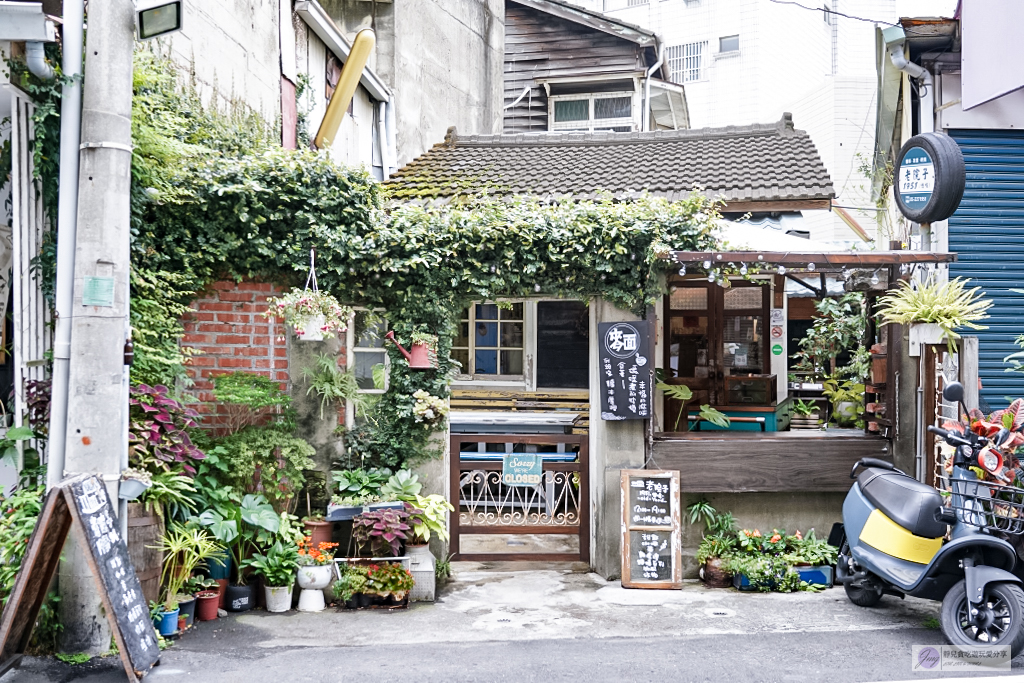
(510, 623)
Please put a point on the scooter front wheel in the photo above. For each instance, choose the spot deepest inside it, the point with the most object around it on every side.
(999, 621)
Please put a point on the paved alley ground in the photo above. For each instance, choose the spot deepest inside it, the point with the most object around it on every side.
(497, 624)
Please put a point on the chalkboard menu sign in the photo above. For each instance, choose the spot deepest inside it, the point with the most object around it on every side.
(82, 500)
(651, 532)
(627, 370)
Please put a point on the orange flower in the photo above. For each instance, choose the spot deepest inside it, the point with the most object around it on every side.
(775, 539)
(757, 534)
(798, 536)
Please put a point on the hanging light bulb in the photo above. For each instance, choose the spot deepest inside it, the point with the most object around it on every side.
(711, 276)
(874, 278)
(682, 270)
(707, 264)
(536, 288)
(904, 268)
(781, 270)
(810, 266)
(743, 269)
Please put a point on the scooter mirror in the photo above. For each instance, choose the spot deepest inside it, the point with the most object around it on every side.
(953, 392)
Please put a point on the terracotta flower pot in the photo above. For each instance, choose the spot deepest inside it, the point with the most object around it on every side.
(222, 586)
(207, 603)
(319, 532)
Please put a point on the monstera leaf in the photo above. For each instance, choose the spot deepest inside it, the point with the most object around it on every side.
(259, 513)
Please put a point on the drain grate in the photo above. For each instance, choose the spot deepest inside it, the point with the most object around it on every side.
(719, 613)
(504, 621)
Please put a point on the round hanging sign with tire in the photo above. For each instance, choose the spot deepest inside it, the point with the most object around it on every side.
(929, 178)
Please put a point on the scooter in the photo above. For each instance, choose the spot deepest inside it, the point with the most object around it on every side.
(893, 540)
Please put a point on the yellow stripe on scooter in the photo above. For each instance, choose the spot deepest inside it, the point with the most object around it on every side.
(883, 534)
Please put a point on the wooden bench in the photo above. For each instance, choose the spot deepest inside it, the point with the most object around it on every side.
(549, 401)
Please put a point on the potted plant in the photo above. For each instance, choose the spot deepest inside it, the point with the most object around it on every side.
(812, 558)
(350, 588)
(277, 567)
(805, 415)
(934, 310)
(682, 393)
(316, 569)
(362, 490)
(133, 483)
(184, 548)
(847, 400)
(207, 597)
(717, 542)
(428, 517)
(381, 532)
(164, 621)
(389, 581)
(312, 314)
(238, 526)
(317, 528)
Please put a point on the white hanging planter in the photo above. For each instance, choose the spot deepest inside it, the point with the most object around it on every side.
(925, 333)
(310, 329)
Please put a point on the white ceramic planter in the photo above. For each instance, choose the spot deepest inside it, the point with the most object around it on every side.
(925, 333)
(311, 328)
(312, 581)
(130, 489)
(279, 598)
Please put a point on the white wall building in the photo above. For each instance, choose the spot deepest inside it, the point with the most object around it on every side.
(747, 61)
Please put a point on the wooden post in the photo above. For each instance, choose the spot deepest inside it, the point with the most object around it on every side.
(969, 370)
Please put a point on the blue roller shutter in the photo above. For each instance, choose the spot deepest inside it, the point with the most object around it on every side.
(987, 232)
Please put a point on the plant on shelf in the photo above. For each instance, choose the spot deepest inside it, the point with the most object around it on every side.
(402, 485)
(360, 487)
(184, 548)
(331, 383)
(352, 582)
(427, 515)
(950, 305)
(805, 408)
(389, 579)
(277, 566)
(838, 327)
(682, 393)
(157, 425)
(847, 400)
(304, 309)
(382, 532)
(239, 526)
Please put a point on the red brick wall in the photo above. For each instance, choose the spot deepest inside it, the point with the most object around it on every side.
(227, 327)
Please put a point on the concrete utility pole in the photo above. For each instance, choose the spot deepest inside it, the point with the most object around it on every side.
(96, 401)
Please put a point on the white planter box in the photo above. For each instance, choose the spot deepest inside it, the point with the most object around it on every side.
(925, 333)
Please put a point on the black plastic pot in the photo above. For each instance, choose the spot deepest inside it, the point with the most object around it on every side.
(188, 610)
(364, 599)
(239, 598)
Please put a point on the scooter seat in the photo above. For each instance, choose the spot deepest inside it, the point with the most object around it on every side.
(904, 500)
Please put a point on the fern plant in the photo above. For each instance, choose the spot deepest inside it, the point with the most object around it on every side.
(330, 382)
(947, 304)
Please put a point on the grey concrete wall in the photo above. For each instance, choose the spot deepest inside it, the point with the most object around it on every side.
(905, 442)
(319, 432)
(443, 58)
(231, 48)
(765, 511)
(614, 446)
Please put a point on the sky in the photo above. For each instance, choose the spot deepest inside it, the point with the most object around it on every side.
(925, 8)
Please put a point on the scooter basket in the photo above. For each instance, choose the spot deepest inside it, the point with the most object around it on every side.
(983, 504)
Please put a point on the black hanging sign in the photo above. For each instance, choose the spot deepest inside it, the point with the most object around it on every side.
(651, 529)
(627, 370)
(82, 500)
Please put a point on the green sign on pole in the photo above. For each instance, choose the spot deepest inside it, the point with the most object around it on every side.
(521, 469)
(777, 349)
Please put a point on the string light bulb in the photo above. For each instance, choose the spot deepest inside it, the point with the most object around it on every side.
(874, 278)
(810, 266)
(682, 270)
(743, 269)
(781, 270)
(707, 264)
(711, 276)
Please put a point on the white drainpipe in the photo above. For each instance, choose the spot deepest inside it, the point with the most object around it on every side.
(645, 123)
(67, 225)
(35, 59)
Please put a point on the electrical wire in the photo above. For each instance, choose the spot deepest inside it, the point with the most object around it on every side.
(840, 14)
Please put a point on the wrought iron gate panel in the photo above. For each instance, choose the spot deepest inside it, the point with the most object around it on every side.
(484, 505)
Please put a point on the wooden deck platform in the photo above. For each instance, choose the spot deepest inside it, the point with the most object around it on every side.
(720, 462)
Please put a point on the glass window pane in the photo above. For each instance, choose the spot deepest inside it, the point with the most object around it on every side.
(486, 362)
(461, 356)
(487, 311)
(486, 334)
(741, 344)
(514, 313)
(511, 362)
(370, 329)
(364, 368)
(688, 299)
(511, 335)
(740, 298)
(465, 314)
(613, 108)
(463, 336)
(572, 110)
(688, 346)
(728, 43)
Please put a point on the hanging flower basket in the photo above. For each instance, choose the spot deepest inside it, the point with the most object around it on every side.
(314, 315)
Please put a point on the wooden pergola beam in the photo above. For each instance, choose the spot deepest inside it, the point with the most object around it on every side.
(840, 259)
